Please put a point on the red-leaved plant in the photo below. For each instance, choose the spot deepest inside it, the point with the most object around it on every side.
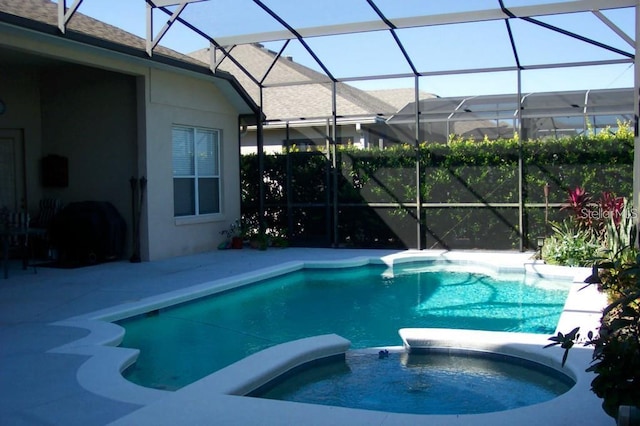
(593, 215)
(611, 206)
(579, 202)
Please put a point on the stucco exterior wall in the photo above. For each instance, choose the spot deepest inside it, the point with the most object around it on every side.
(89, 116)
(179, 100)
(112, 115)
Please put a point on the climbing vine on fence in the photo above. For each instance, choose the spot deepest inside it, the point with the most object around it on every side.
(377, 192)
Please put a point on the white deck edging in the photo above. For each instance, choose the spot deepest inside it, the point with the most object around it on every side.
(213, 397)
(256, 370)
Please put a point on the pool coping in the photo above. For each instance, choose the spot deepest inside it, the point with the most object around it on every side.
(100, 374)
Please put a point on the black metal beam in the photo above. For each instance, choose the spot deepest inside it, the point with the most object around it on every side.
(298, 36)
(514, 48)
(274, 62)
(392, 30)
(574, 35)
(215, 43)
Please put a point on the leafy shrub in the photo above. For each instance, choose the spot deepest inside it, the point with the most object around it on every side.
(619, 230)
(616, 360)
(615, 355)
(299, 186)
(570, 245)
(616, 346)
(608, 223)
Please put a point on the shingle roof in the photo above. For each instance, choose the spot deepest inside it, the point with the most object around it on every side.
(46, 12)
(280, 102)
(312, 100)
(399, 98)
(42, 16)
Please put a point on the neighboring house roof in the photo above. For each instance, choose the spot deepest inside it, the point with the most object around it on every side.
(399, 98)
(295, 101)
(42, 16)
(491, 114)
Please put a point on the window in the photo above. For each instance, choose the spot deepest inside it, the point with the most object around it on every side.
(196, 171)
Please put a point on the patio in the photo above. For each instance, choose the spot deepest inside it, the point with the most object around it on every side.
(41, 387)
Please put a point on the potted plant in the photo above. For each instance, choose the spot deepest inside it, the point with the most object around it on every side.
(260, 241)
(233, 236)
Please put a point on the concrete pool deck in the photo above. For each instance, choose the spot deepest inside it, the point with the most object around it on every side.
(40, 384)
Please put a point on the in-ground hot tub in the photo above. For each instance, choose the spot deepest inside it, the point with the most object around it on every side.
(422, 380)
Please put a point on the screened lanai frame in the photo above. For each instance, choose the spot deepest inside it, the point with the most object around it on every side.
(268, 21)
(592, 111)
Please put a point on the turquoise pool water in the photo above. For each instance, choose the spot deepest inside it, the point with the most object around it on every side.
(366, 305)
(423, 383)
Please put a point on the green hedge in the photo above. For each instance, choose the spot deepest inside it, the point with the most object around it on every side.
(461, 171)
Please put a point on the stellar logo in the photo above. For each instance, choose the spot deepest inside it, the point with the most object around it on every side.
(600, 214)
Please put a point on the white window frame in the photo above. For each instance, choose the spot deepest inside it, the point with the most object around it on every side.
(197, 175)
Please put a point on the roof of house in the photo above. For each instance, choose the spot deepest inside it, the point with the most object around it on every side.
(399, 98)
(46, 11)
(285, 96)
(42, 16)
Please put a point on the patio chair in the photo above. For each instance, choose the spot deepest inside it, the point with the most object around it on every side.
(41, 226)
(15, 237)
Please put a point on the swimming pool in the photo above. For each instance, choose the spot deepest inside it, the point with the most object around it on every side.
(217, 396)
(367, 305)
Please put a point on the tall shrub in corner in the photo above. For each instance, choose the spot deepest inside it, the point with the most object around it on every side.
(616, 346)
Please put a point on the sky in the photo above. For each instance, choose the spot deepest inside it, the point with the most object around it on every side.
(432, 49)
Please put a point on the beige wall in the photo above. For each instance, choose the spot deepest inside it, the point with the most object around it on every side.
(179, 100)
(89, 116)
(112, 117)
(84, 114)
